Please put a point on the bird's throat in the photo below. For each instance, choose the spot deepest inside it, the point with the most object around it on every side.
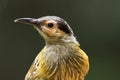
(64, 61)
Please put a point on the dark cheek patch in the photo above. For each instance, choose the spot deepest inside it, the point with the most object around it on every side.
(64, 27)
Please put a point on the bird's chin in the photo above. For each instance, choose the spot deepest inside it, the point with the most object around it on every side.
(38, 28)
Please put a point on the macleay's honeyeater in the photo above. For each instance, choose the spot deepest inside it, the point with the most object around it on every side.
(61, 58)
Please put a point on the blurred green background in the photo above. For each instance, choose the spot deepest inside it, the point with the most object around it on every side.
(96, 23)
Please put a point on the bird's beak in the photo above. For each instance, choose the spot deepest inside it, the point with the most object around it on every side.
(32, 21)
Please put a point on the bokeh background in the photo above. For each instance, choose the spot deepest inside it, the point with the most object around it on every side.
(96, 23)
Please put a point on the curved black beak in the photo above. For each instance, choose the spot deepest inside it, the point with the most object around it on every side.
(32, 21)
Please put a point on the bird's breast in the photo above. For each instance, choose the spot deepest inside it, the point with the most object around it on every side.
(64, 62)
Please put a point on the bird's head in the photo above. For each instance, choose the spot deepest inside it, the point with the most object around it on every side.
(53, 29)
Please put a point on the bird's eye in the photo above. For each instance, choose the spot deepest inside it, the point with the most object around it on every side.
(50, 25)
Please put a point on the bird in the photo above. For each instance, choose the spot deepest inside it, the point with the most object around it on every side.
(62, 57)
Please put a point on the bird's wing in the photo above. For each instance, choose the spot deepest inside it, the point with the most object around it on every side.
(35, 71)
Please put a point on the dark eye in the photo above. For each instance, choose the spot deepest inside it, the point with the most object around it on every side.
(50, 25)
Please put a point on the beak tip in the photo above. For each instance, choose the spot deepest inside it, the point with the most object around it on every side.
(15, 20)
(32, 21)
(22, 20)
(18, 20)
